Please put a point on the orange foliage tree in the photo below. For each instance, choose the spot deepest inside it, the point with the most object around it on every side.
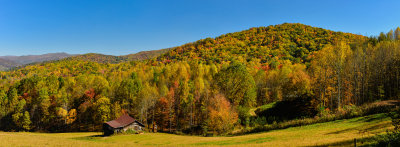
(222, 116)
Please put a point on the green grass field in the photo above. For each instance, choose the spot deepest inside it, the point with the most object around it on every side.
(340, 132)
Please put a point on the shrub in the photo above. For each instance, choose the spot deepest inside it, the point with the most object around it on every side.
(389, 139)
(130, 131)
(346, 113)
(244, 115)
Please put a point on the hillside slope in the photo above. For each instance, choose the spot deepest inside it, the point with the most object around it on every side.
(143, 55)
(291, 41)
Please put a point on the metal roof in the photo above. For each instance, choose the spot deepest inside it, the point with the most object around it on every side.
(122, 121)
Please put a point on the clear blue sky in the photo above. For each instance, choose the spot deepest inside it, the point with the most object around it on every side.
(118, 27)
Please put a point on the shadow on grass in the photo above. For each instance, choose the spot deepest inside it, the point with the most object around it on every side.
(366, 128)
(91, 138)
(237, 142)
(367, 141)
(362, 129)
(371, 118)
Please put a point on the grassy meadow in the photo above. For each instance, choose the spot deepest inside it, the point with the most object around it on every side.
(340, 132)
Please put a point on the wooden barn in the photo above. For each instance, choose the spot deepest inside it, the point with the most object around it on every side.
(122, 124)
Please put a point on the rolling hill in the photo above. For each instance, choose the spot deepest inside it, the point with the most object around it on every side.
(291, 41)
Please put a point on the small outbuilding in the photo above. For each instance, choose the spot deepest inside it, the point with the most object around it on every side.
(122, 124)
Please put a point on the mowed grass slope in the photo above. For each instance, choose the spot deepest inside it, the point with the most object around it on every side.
(340, 132)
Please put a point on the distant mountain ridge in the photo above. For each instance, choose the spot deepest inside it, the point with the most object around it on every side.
(9, 62)
(27, 59)
(100, 58)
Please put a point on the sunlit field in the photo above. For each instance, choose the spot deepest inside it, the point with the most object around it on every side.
(341, 132)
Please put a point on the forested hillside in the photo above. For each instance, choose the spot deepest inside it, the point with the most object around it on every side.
(207, 86)
(143, 55)
(294, 42)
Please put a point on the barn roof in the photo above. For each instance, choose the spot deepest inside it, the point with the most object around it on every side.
(122, 121)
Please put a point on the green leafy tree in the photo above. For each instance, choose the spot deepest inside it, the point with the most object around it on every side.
(237, 84)
(146, 104)
(26, 121)
(103, 112)
(44, 104)
(12, 99)
(129, 90)
(18, 116)
(3, 102)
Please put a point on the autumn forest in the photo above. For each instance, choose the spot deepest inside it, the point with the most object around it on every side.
(216, 85)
